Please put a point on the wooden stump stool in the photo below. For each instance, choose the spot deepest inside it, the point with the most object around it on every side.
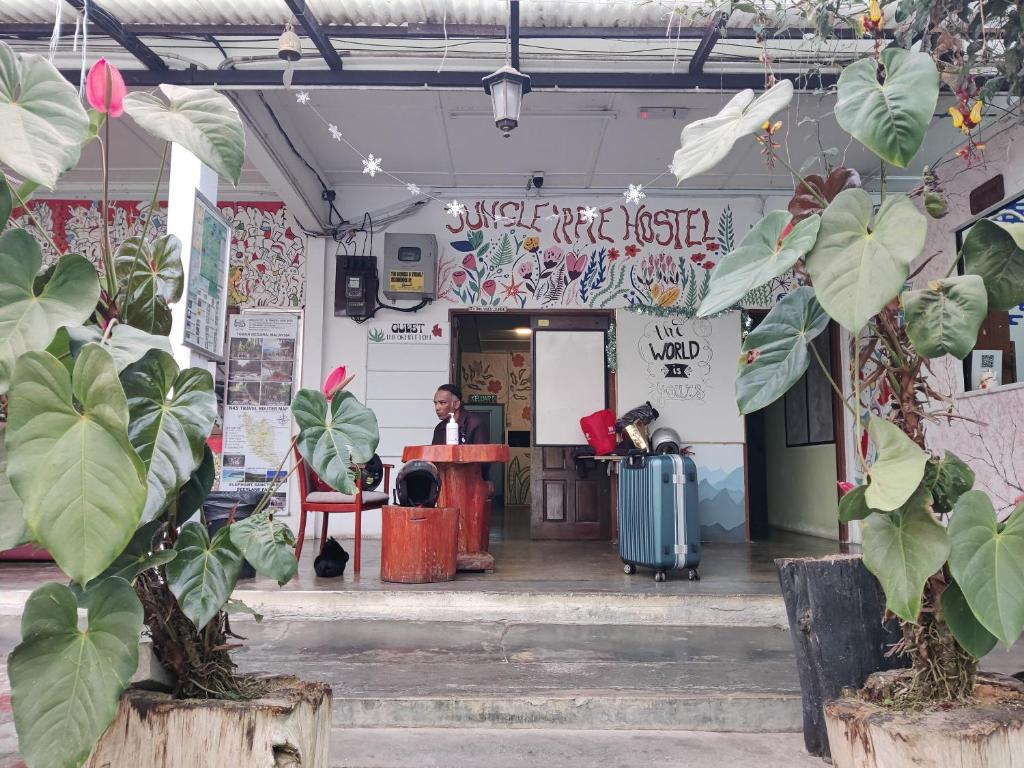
(419, 545)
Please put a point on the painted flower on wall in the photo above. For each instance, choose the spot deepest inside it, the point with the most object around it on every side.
(712, 246)
(526, 270)
(531, 244)
(614, 254)
(708, 265)
(518, 360)
(575, 263)
(552, 255)
(665, 297)
(494, 386)
(488, 287)
(469, 262)
(459, 278)
(527, 413)
(697, 258)
(436, 331)
(632, 251)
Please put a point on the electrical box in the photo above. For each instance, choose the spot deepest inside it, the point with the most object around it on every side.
(355, 286)
(410, 266)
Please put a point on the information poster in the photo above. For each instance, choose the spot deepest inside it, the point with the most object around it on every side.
(207, 297)
(261, 369)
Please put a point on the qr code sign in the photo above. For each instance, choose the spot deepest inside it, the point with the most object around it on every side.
(988, 361)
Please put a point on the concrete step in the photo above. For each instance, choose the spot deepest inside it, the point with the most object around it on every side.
(491, 675)
(533, 748)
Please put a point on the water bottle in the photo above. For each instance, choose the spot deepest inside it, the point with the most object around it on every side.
(451, 431)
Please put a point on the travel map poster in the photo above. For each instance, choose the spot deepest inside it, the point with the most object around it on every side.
(206, 302)
(262, 362)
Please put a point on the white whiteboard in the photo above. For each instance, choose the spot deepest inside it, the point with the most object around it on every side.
(686, 367)
(569, 383)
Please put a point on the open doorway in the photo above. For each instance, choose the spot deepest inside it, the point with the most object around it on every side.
(795, 453)
(542, 493)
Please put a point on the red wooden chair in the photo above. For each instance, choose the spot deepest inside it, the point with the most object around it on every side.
(334, 501)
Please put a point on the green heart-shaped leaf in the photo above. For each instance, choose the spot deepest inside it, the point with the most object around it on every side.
(6, 202)
(172, 414)
(267, 544)
(995, 251)
(987, 560)
(13, 530)
(66, 682)
(947, 480)
(203, 121)
(964, 625)
(944, 318)
(903, 549)
(137, 557)
(333, 436)
(775, 354)
(760, 257)
(28, 320)
(705, 143)
(125, 343)
(204, 573)
(70, 460)
(898, 470)
(151, 277)
(859, 265)
(43, 119)
(193, 493)
(889, 118)
(853, 506)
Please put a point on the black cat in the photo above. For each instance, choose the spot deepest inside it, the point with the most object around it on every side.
(331, 562)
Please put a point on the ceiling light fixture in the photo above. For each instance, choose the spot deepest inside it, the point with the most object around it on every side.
(523, 331)
(507, 85)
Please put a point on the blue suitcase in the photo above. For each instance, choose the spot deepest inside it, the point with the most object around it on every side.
(658, 523)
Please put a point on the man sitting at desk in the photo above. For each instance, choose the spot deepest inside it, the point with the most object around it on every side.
(473, 430)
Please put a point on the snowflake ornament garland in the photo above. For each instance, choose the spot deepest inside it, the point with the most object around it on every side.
(333, 130)
(412, 189)
(634, 194)
(589, 214)
(372, 165)
(455, 209)
(302, 97)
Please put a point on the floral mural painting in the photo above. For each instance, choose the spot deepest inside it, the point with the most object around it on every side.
(665, 260)
(267, 267)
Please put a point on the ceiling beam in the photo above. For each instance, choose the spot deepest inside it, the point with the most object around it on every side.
(706, 45)
(315, 33)
(418, 31)
(112, 27)
(607, 81)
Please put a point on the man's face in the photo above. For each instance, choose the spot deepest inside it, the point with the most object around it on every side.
(445, 404)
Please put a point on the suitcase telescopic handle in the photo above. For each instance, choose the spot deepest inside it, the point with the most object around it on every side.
(636, 458)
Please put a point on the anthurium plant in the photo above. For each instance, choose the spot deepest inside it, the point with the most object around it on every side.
(103, 442)
(952, 569)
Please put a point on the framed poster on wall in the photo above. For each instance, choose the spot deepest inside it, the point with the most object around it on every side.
(206, 297)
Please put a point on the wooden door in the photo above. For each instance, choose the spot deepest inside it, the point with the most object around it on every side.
(563, 505)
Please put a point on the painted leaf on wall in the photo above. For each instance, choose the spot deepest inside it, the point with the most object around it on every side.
(775, 354)
(29, 319)
(987, 560)
(903, 548)
(762, 255)
(204, 573)
(66, 681)
(82, 484)
(267, 544)
(859, 262)
(897, 471)
(965, 626)
(944, 318)
(172, 414)
(996, 252)
(335, 435)
(705, 143)
(44, 122)
(890, 117)
(200, 119)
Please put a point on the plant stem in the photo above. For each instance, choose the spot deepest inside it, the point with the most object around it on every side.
(277, 482)
(884, 180)
(835, 387)
(108, 261)
(32, 219)
(156, 193)
(802, 181)
(856, 396)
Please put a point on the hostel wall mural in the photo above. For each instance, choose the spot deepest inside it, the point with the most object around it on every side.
(267, 246)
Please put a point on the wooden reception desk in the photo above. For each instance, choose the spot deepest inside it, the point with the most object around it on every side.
(463, 487)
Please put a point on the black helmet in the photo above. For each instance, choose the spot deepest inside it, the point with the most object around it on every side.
(418, 485)
(666, 440)
(373, 473)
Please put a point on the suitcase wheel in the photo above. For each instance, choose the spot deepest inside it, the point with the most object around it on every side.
(629, 569)
(692, 574)
(660, 576)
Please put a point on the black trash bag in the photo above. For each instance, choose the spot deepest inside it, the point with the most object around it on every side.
(642, 414)
(221, 506)
(418, 485)
(331, 562)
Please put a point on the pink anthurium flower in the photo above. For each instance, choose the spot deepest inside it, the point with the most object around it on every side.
(845, 487)
(104, 88)
(336, 381)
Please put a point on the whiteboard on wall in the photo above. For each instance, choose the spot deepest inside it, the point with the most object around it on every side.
(569, 383)
(686, 368)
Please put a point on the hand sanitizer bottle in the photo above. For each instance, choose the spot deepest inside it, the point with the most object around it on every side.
(451, 431)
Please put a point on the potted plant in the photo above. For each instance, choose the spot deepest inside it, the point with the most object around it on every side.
(951, 570)
(104, 463)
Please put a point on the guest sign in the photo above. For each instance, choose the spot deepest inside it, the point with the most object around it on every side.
(405, 332)
(685, 367)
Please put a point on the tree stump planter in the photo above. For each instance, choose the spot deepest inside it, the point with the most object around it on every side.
(290, 726)
(419, 545)
(835, 607)
(985, 733)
